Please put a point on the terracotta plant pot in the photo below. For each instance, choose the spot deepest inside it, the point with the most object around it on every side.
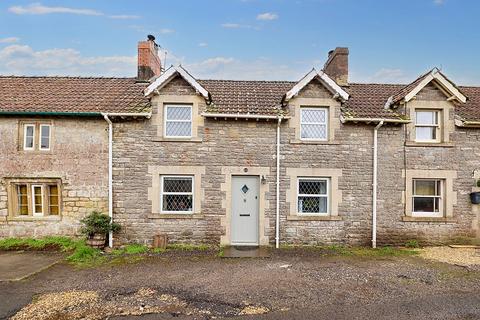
(97, 241)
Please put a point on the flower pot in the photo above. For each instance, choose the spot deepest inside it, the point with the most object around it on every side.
(475, 197)
(97, 241)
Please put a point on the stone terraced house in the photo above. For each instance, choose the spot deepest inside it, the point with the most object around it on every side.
(321, 160)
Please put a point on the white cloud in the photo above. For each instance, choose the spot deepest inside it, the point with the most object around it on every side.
(387, 75)
(37, 8)
(124, 17)
(203, 44)
(438, 2)
(9, 40)
(268, 16)
(229, 25)
(166, 31)
(23, 60)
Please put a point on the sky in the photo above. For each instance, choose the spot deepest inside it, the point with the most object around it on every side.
(390, 41)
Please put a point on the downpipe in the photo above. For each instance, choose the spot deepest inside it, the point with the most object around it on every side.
(277, 207)
(110, 184)
(374, 192)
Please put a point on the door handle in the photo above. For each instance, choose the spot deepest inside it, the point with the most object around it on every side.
(244, 214)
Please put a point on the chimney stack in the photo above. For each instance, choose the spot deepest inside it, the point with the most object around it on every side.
(337, 66)
(149, 64)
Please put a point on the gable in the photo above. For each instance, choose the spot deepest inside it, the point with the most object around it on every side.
(177, 86)
(431, 92)
(315, 89)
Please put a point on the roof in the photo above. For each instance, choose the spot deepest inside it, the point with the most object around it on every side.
(72, 95)
(469, 111)
(368, 101)
(246, 97)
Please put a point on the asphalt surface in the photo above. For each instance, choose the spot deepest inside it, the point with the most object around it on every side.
(290, 285)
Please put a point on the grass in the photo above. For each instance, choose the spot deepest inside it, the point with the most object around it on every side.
(412, 244)
(354, 251)
(188, 247)
(47, 243)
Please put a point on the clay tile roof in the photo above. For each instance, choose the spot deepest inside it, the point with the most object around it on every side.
(72, 95)
(404, 90)
(368, 101)
(470, 110)
(246, 97)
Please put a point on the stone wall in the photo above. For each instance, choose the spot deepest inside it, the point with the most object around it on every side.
(222, 144)
(79, 157)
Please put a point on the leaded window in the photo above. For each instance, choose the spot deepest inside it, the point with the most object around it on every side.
(178, 121)
(313, 196)
(314, 124)
(177, 194)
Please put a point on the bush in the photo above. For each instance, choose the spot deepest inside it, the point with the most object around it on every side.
(98, 223)
(412, 244)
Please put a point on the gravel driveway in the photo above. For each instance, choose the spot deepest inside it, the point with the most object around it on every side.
(288, 285)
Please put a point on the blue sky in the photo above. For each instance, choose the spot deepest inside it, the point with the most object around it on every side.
(389, 40)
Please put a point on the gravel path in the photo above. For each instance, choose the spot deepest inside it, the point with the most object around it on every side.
(457, 256)
(294, 285)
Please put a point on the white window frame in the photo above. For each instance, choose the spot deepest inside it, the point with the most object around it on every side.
(162, 193)
(34, 213)
(49, 137)
(441, 207)
(428, 125)
(25, 126)
(166, 120)
(314, 123)
(327, 195)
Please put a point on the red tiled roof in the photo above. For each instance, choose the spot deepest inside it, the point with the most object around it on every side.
(72, 95)
(246, 97)
(470, 110)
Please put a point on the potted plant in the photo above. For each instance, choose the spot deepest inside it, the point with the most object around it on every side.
(96, 227)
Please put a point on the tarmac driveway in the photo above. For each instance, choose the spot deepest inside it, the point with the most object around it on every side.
(288, 285)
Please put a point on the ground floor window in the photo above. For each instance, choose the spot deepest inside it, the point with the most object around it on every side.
(36, 198)
(313, 196)
(176, 195)
(427, 198)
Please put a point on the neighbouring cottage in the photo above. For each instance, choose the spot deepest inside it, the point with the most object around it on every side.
(318, 161)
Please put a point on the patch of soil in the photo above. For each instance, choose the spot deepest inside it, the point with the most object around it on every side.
(49, 247)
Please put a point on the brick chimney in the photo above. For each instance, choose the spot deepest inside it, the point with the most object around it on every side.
(149, 64)
(337, 65)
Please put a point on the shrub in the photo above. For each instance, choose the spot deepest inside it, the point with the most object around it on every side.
(98, 223)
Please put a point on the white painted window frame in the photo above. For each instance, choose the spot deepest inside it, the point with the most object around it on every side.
(437, 126)
(34, 213)
(314, 123)
(25, 126)
(441, 207)
(49, 137)
(327, 195)
(162, 193)
(166, 120)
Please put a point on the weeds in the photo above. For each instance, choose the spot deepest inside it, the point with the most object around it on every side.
(412, 244)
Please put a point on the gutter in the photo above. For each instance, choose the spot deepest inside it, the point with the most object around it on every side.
(239, 115)
(374, 192)
(277, 206)
(368, 120)
(76, 114)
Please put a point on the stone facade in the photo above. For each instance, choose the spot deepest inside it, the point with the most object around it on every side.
(222, 144)
(78, 158)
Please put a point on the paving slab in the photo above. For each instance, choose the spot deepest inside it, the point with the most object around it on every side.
(245, 252)
(18, 265)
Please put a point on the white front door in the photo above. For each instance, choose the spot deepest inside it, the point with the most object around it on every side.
(245, 203)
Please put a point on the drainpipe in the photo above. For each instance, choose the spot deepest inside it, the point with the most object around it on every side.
(110, 186)
(277, 207)
(374, 197)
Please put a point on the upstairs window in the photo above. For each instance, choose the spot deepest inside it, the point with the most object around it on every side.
(427, 128)
(177, 194)
(427, 197)
(37, 198)
(178, 121)
(36, 136)
(314, 124)
(312, 196)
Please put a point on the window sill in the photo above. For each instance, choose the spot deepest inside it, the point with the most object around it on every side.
(162, 139)
(314, 218)
(429, 219)
(32, 218)
(176, 216)
(429, 144)
(296, 141)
